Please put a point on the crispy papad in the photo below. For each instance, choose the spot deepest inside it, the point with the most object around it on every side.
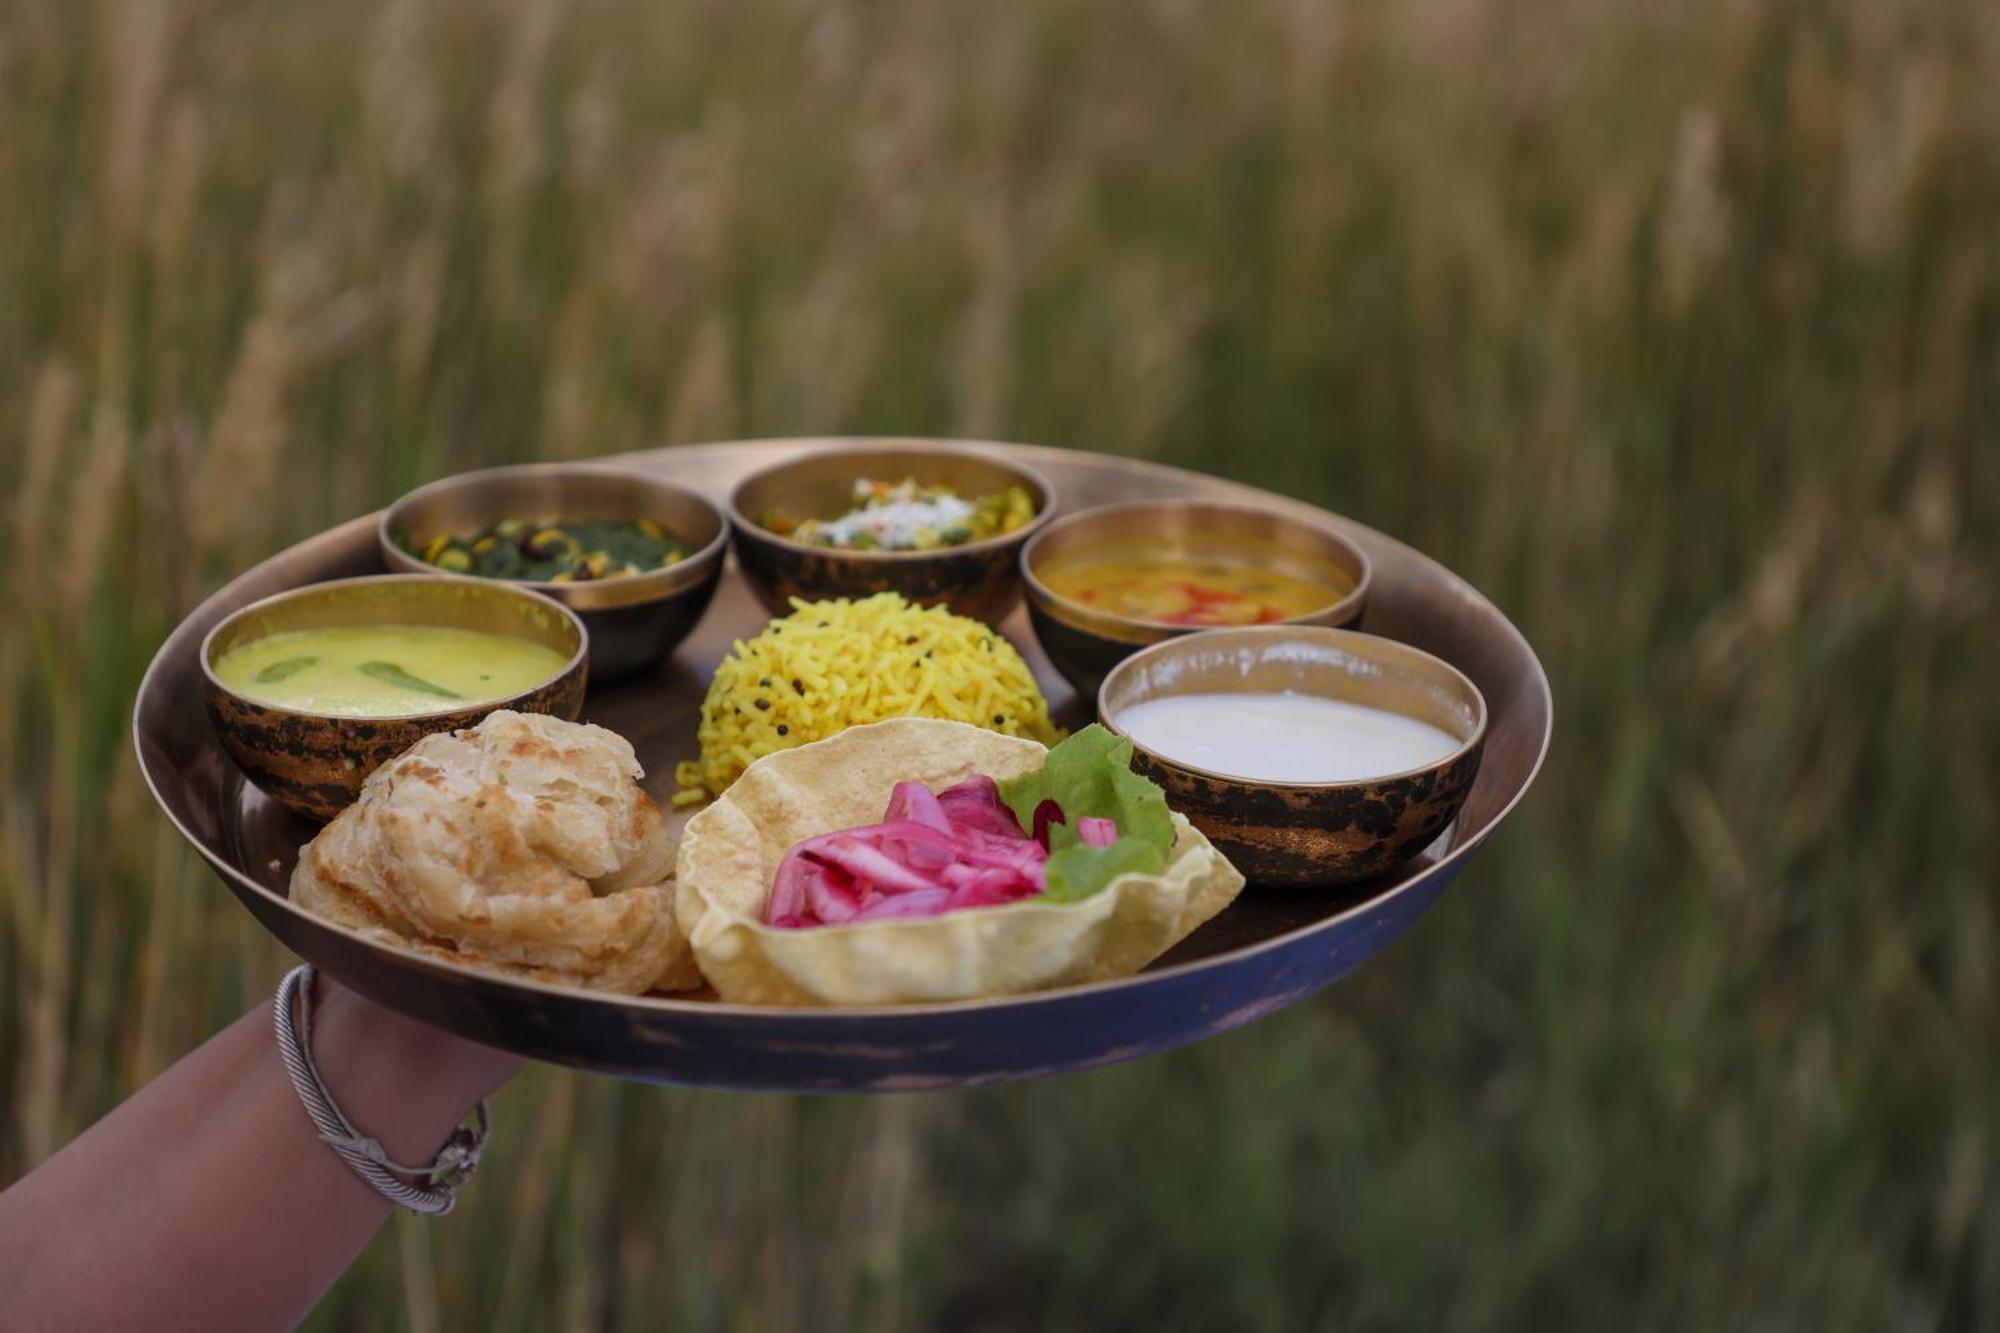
(523, 845)
(730, 851)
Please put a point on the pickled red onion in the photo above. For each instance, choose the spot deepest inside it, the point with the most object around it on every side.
(932, 853)
(1093, 832)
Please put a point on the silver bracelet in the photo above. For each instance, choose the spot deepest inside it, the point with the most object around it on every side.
(429, 1189)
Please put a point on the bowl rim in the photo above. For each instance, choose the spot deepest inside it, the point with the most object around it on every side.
(1350, 604)
(630, 589)
(203, 654)
(1329, 636)
(748, 528)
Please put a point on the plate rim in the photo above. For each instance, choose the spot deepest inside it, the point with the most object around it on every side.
(341, 534)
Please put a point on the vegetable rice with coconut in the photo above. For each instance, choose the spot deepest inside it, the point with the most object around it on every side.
(837, 664)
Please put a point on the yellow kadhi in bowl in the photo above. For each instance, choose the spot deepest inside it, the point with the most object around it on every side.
(730, 852)
(309, 737)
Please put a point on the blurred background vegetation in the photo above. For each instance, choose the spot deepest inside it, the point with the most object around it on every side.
(1675, 327)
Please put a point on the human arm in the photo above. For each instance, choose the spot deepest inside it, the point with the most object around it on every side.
(207, 1201)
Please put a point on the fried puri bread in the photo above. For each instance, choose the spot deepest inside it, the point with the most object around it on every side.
(523, 845)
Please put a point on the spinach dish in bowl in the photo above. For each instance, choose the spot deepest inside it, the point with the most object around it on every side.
(554, 550)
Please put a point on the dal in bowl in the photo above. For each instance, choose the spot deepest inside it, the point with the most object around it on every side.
(1104, 583)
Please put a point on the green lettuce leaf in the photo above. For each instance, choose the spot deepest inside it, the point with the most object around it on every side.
(1077, 871)
(1090, 776)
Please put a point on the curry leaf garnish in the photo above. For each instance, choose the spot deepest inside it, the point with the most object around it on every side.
(391, 674)
(284, 670)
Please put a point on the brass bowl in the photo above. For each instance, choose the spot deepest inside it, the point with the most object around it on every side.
(1085, 642)
(635, 620)
(315, 763)
(1310, 833)
(980, 579)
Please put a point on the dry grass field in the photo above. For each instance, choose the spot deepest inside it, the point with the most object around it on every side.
(1674, 327)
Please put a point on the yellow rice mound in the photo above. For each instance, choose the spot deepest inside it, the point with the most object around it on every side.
(837, 664)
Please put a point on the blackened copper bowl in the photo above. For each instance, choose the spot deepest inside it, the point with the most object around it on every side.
(980, 579)
(1086, 642)
(315, 763)
(1304, 834)
(635, 620)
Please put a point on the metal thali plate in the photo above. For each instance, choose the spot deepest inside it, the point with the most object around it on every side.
(1269, 949)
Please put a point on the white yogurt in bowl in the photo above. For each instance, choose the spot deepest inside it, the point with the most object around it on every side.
(1285, 736)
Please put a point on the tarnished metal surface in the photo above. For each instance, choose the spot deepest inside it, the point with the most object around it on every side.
(981, 579)
(1268, 950)
(634, 620)
(1086, 642)
(316, 763)
(1313, 834)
